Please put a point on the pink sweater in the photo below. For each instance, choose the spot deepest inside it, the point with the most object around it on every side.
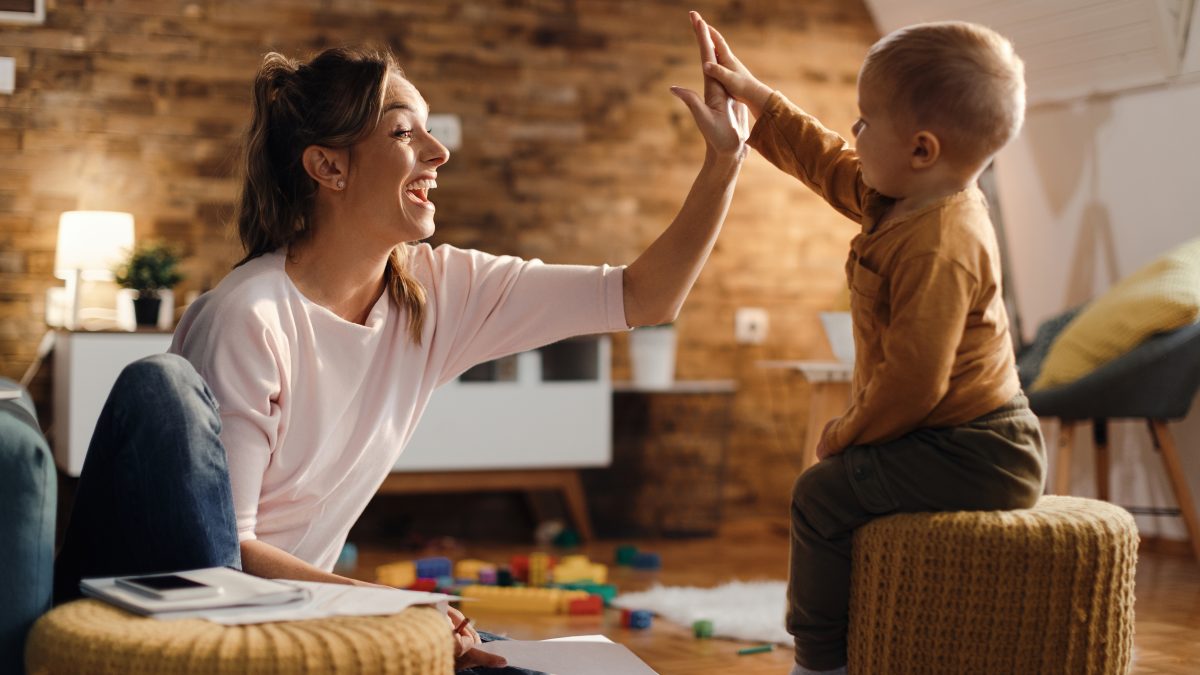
(315, 410)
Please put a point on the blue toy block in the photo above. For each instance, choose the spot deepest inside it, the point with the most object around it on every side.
(647, 561)
(432, 568)
(640, 619)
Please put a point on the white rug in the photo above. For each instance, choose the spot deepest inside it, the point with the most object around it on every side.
(741, 610)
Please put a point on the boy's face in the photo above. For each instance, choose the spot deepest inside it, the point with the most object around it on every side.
(883, 145)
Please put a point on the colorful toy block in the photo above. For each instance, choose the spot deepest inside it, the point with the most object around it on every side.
(504, 577)
(471, 568)
(397, 575)
(432, 568)
(568, 538)
(592, 604)
(626, 614)
(626, 553)
(702, 629)
(575, 568)
(539, 569)
(427, 585)
(520, 568)
(647, 561)
(488, 576)
(640, 619)
(514, 599)
(606, 591)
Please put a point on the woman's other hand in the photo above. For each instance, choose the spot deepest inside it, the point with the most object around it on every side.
(466, 639)
(723, 121)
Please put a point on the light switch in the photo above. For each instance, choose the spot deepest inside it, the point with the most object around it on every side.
(447, 129)
(8, 74)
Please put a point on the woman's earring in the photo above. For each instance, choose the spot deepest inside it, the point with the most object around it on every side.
(341, 184)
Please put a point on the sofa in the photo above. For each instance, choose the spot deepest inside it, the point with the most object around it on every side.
(28, 499)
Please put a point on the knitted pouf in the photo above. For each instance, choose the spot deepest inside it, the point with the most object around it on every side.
(89, 636)
(1046, 590)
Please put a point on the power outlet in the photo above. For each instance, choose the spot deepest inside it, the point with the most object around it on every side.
(750, 325)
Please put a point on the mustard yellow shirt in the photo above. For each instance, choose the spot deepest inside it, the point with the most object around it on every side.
(930, 328)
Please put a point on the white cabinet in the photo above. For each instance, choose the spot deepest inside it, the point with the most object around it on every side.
(549, 408)
(86, 365)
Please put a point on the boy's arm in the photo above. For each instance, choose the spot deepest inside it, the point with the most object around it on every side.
(930, 297)
(797, 143)
(788, 137)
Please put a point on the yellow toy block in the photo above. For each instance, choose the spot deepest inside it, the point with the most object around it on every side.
(575, 568)
(520, 599)
(539, 569)
(470, 568)
(398, 574)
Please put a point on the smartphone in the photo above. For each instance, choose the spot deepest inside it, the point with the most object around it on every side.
(168, 587)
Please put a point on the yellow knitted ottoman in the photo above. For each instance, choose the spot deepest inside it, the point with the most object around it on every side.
(1046, 590)
(88, 636)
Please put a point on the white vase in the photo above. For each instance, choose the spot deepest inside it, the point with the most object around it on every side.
(652, 352)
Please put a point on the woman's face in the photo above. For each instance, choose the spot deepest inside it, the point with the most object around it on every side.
(394, 167)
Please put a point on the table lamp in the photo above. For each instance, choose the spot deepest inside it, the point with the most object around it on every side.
(90, 244)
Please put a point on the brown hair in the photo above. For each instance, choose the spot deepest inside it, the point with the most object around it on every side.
(333, 100)
(961, 80)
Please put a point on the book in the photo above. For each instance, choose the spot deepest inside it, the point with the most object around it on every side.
(247, 599)
(238, 590)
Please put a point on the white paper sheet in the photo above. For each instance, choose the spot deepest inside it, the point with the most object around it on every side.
(579, 655)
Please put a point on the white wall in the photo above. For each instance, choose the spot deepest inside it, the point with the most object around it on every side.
(1090, 192)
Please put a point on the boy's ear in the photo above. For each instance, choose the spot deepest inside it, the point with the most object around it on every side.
(926, 150)
(327, 166)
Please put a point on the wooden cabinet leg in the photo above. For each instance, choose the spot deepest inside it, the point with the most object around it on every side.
(1100, 443)
(1062, 465)
(577, 505)
(1165, 442)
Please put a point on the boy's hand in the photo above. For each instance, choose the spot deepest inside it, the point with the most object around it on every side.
(721, 119)
(735, 77)
(823, 449)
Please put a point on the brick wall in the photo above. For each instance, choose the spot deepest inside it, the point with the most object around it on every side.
(574, 151)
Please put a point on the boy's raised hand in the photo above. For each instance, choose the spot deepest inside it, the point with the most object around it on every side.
(733, 75)
(721, 119)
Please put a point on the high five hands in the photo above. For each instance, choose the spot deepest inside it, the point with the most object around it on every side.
(722, 120)
(721, 65)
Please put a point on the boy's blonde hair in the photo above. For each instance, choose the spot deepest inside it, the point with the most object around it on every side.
(960, 80)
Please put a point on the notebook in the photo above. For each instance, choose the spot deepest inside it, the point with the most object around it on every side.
(238, 590)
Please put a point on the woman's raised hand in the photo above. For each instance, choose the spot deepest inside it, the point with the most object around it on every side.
(723, 121)
(733, 75)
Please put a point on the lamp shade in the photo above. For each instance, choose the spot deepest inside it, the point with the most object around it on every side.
(92, 242)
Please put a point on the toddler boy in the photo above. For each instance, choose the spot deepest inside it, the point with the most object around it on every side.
(937, 419)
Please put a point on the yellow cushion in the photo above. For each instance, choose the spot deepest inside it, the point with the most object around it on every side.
(1161, 296)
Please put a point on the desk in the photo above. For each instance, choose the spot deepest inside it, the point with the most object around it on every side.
(830, 382)
(86, 365)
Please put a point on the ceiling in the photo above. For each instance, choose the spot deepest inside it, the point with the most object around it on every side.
(1074, 48)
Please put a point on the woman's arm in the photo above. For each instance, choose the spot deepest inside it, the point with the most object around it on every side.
(656, 284)
(264, 560)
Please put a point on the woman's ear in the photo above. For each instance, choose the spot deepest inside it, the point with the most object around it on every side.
(926, 150)
(327, 166)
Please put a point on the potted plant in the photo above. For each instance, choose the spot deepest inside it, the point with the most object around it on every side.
(149, 270)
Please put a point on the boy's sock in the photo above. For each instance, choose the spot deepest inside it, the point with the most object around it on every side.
(798, 669)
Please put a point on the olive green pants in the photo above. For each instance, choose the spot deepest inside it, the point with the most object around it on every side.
(995, 462)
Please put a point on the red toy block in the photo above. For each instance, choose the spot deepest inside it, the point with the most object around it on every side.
(625, 616)
(427, 585)
(520, 568)
(592, 604)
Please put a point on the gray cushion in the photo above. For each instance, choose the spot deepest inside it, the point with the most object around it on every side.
(28, 497)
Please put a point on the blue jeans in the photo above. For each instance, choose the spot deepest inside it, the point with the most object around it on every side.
(154, 492)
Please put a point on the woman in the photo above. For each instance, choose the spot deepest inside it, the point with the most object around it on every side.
(324, 345)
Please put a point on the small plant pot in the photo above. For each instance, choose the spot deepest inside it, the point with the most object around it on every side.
(652, 353)
(145, 310)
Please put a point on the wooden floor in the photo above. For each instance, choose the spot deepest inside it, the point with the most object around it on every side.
(1168, 601)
